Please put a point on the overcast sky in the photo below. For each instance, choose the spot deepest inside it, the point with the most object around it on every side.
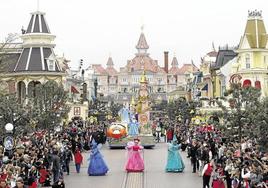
(93, 29)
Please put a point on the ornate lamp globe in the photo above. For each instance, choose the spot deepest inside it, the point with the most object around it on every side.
(9, 127)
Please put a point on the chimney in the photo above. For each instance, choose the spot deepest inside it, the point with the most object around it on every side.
(166, 61)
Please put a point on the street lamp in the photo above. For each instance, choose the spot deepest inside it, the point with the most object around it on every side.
(8, 141)
(9, 127)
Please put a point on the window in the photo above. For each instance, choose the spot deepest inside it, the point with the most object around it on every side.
(247, 61)
(124, 80)
(258, 84)
(51, 64)
(265, 59)
(112, 80)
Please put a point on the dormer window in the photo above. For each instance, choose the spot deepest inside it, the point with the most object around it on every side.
(51, 63)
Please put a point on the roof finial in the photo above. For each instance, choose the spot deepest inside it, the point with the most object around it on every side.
(255, 13)
(142, 25)
(38, 5)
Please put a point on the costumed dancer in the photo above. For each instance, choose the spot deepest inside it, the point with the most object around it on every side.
(133, 127)
(97, 166)
(124, 115)
(206, 173)
(135, 162)
(174, 160)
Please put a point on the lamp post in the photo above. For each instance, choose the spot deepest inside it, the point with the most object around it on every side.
(8, 141)
(95, 87)
(9, 128)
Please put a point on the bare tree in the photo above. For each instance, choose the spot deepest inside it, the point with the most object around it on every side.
(4, 47)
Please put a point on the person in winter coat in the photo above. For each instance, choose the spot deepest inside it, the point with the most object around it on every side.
(55, 166)
(67, 158)
(78, 159)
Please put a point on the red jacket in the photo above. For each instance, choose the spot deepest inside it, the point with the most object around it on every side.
(78, 158)
(43, 175)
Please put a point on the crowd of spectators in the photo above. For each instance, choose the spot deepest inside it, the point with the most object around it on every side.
(223, 162)
(43, 157)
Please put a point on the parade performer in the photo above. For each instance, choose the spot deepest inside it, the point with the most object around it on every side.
(78, 159)
(135, 162)
(206, 173)
(97, 166)
(174, 160)
(133, 127)
(124, 115)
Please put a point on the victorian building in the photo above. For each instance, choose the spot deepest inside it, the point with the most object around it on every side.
(252, 59)
(121, 85)
(33, 61)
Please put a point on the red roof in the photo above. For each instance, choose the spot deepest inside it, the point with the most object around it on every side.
(111, 71)
(183, 69)
(99, 69)
(144, 62)
(174, 70)
(74, 90)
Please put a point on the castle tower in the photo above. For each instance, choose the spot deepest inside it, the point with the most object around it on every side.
(142, 45)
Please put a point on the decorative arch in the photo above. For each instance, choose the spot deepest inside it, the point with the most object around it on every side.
(247, 83)
(258, 84)
(32, 88)
(21, 89)
(52, 82)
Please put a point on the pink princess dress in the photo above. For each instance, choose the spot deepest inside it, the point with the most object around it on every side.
(135, 162)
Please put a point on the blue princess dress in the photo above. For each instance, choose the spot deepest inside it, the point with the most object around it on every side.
(133, 129)
(174, 160)
(97, 166)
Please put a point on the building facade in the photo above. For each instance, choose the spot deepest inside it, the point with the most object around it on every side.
(252, 58)
(33, 61)
(121, 85)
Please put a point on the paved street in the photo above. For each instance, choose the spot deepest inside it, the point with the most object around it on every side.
(154, 175)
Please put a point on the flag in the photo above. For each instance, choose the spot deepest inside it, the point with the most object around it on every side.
(74, 90)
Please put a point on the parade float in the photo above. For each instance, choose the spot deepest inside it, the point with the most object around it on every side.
(135, 121)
